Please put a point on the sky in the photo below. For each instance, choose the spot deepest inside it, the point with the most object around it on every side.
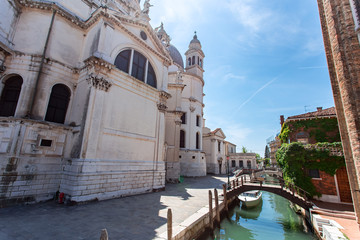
(263, 59)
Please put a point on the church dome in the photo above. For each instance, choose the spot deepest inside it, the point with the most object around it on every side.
(175, 55)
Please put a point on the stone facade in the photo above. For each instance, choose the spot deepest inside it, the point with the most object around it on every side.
(340, 24)
(214, 147)
(88, 106)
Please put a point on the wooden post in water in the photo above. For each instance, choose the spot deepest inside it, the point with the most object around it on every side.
(104, 235)
(237, 182)
(211, 219)
(234, 184)
(217, 206)
(225, 197)
(169, 224)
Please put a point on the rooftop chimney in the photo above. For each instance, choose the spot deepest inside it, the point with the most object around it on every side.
(319, 109)
(281, 120)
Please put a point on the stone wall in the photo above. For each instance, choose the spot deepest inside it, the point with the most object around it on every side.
(343, 56)
(30, 171)
(192, 163)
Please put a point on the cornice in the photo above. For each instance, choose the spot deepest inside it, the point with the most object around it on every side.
(102, 12)
(194, 75)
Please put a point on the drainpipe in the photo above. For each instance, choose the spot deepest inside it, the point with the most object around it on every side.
(41, 66)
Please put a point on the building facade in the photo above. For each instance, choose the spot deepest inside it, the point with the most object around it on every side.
(214, 147)
(340, 21)
(85, 101)
(311, 128)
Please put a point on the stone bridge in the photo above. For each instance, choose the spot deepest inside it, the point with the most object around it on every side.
(292, 193)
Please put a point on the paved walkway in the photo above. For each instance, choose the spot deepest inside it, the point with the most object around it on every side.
(137, 217)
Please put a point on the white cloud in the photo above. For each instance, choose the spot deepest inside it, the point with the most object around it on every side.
(250, 14)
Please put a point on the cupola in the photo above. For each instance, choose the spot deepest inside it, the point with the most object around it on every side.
(195, 57)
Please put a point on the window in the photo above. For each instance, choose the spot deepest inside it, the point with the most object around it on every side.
(219, 146)
(189, 61)
(248, 164)
(200, 63)
(198, 60)
(233, 164)
(193, 60)
(151, 77)
(241, 164)
(182, 139)
(10, 96)
(302, 137)
(314, 173)
(58, 103)
(140, 68)
(122, 60)
(197, 140)
(183, 118)
(198, 121)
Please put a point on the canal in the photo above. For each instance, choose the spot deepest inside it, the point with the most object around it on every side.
(272, 219)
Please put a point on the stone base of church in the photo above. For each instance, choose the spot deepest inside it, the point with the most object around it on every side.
(192, 163)
(88, 180)
(172, 172)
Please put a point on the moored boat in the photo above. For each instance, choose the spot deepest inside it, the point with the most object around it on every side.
(251, 198)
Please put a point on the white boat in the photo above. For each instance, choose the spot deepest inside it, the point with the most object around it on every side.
(250, 198)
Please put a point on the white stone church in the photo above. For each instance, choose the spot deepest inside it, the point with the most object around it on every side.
(95, 103)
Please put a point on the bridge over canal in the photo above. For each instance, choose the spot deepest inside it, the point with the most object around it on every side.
(290, 192)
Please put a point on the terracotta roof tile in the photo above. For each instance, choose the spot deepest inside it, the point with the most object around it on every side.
(328, 112)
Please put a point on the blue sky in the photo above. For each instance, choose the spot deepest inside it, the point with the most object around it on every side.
(263, 59)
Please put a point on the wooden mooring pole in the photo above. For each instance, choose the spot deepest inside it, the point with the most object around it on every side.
(217, 206)
(225, 197)
(104, 235)
(169, 224)
(211, 219)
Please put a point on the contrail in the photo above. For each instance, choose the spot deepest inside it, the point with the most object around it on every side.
(255, 93)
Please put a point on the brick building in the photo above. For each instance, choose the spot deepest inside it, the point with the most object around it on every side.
(340, 21)
(311, 128)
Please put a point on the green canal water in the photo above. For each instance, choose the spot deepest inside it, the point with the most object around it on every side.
(273, 219)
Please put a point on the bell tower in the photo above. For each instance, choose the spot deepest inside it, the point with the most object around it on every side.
(195, 58)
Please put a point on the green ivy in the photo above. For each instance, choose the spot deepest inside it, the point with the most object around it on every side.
(295, 159)
(317, 128)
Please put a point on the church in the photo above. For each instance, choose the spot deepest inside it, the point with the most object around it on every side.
(95, 103)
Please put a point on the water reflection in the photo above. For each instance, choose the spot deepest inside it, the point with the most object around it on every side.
(272, 219)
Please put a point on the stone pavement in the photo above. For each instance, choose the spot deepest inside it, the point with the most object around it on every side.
(137, 217)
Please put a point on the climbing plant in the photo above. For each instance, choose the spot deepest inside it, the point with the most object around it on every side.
(295, 159)
(318, 128)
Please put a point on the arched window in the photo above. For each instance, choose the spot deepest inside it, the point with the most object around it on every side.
(200, 63)
(140, 67)
(10, 96)
(241, 164)
(197, 120)
(302, 137)
(197, 140)
(198, 60)
(182, 139)
(122, 60)
(248, 164)
(193, 60)
(189, 61)
(151, 77)
(58, 104)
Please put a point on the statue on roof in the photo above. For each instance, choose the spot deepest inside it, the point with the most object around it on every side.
(146, 8)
